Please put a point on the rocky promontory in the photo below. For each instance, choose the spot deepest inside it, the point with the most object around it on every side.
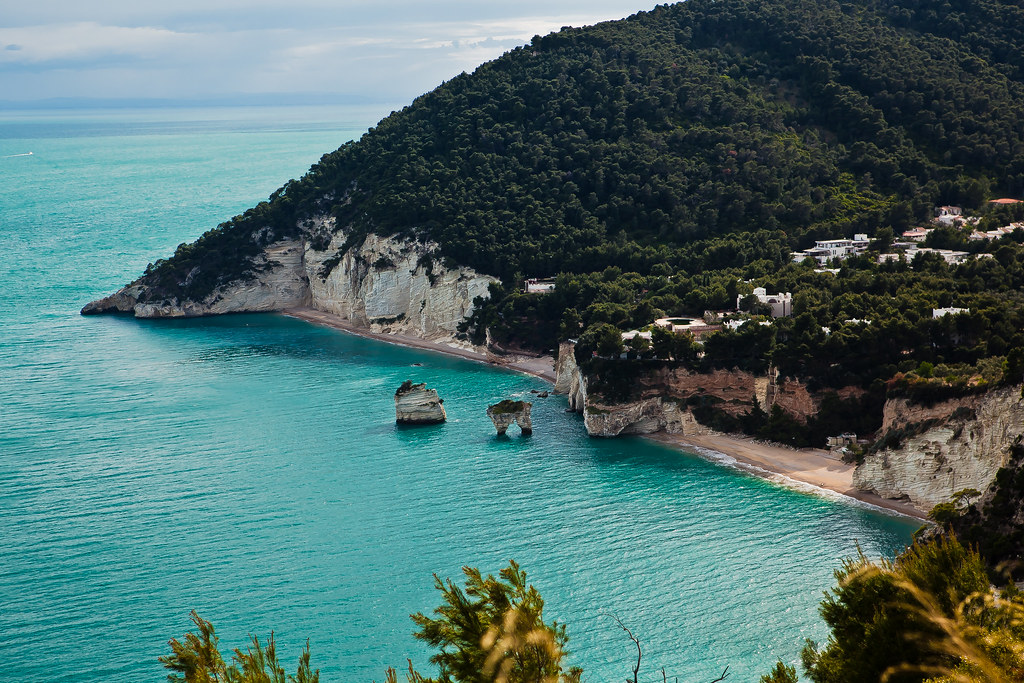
(415, 404)
(384, 285)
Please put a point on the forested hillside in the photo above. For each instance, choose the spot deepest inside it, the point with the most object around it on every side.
(702, 135)
(668, 162)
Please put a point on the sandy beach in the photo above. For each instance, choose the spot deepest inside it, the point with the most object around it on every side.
(811, 466)
(808, 466)
(539, 366)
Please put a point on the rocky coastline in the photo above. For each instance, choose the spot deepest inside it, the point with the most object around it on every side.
(386, 286)
(385, 289)
(954, 445)
(805, 469)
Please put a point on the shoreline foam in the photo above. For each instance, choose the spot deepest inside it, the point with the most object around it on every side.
(808, 470)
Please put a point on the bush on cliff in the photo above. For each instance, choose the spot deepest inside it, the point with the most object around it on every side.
(996, 525)
(930, 615)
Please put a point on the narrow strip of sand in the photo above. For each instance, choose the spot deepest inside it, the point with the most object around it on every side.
(540, 366)
(809, 466)
(812, 466)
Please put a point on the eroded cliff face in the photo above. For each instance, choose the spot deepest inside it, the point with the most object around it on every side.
(279, 283)
(566, 370)
(385, 285)
(964, 444)
(660, 398)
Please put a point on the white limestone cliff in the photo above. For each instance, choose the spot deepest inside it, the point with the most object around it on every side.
(387, 285)
(636, 417)
(279, 284)
(965, 448)
(646, 416)
(568, 378)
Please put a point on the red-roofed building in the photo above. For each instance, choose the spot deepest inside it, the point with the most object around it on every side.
(1005, 201)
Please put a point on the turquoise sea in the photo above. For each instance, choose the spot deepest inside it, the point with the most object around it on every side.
(249, 466)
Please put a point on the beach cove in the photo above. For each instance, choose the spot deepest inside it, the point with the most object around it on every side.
(807, 469)
(249, 466)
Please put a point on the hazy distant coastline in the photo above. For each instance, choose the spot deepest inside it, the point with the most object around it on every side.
(248, 100)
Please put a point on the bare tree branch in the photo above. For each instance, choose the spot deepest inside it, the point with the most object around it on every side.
(639, 653)
(722, 677)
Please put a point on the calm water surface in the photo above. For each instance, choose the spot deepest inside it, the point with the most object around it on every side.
(249, 466)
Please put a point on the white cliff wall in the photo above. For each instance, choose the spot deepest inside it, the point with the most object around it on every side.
(383, 287)
(957, 453)
(637, 417)
(645, 416)
(281, 285)
(565, 367)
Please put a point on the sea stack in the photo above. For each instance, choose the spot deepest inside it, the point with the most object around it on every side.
(415, 404)
(506, 412)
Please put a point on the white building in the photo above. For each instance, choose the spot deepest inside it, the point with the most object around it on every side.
(941, 312)
(695, 326)
(536, 286)
(737, 323)
(948, 255)
(997, 233)
(915, 235)
(824, 251)
(781, 304)
(949, 215)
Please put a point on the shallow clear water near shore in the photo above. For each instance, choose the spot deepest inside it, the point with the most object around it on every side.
(249, 466)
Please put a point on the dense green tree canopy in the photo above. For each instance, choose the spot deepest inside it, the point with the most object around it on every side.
(702, 135)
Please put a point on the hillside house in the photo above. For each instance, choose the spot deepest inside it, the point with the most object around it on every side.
(781, 304)
(537, 286)
(632, 334)
(951, 310)
(950, 256)
(997, 233)
(698, 327)
(824, 251)
(915, 235)
(948, 215)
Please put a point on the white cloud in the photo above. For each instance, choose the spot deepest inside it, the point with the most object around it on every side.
(86, 40)
(190, 48)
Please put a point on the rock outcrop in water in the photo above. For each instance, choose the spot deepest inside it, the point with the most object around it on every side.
(507, 412)
(415, 404)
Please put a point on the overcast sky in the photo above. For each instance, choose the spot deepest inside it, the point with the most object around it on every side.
(383, 49)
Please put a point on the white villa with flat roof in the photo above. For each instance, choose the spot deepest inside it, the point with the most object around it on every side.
(537, 286)
(951, 310)
(781, 304)
(824, 251)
